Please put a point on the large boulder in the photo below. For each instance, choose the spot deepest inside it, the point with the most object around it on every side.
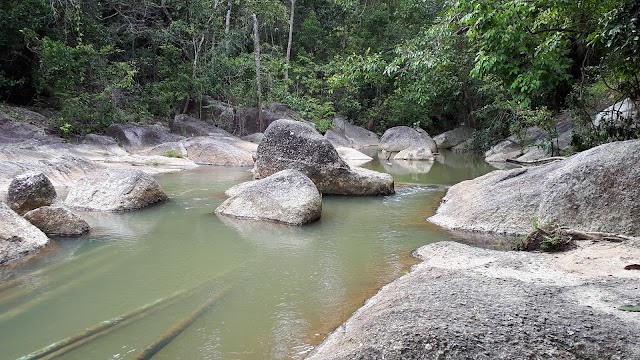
(454, 137)
(218, 113)
(617, 113)
(532, 145)
(342, 133)
(403, 137)
(135, 137)
(17, 236)
(29, 191)
(188, 126)
(465, 302)
(596, 190)
(57, 221)
(287, 197)
(220, 150)
(115, 190)
(289, 144)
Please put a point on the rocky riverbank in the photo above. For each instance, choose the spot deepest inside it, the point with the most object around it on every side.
(464, 302)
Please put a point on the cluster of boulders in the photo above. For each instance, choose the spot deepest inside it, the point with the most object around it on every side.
(33, 212)
(295, 164)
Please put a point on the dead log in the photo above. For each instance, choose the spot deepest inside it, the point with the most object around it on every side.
(535, 162)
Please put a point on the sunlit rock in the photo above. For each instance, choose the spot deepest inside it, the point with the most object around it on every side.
(287, 197)
(17, 236)
(115, 190)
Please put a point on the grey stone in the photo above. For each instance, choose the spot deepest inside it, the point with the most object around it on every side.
(29, 191)
(287, 197)
(136, 137)
(596, 190)
(254, 138)
(403, 137)
(289, 144)
(115, 190)
(219, 150)
(415, 153)
(343, 133)
(17, 236)
(57, 221)
(464, 302)
(188, 126)
(454, 137)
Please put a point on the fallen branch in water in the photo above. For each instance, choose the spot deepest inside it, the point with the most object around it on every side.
(178, 328)
(536, 162)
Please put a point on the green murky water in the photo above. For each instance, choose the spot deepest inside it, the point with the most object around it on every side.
(274, 291)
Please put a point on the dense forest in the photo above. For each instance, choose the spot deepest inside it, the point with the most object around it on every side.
(495, 65)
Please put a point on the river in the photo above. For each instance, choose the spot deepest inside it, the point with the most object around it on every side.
(275, 291)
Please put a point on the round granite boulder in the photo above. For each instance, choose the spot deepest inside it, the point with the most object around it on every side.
(29, 191)
(115, 190)
(287, 197)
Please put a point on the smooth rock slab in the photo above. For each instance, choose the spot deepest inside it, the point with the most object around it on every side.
(464, 302)
(115, 190)
(596, 190)
(219, 150)
(287, 197)
(17, 236)
(57, 221)
(29, 191)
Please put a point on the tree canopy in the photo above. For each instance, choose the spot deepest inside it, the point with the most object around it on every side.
(428, 63)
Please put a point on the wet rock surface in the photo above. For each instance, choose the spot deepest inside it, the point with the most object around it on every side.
(287, 197)
(464, 302)
(115, 190)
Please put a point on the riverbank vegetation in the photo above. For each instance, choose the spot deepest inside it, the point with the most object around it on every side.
(497, 66)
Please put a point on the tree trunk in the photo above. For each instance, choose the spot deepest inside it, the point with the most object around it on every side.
(286, 69)
(256, 45)
(227, 25)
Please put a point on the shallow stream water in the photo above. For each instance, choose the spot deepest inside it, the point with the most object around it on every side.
(269, 291)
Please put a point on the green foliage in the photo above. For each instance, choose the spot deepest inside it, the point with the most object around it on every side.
(545, 237)
(173, 154)
(618, 34)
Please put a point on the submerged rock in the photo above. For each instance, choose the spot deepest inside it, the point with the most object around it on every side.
(17, 236)
(289, 144)
(287, 197)
(596, 190)
(29, 191)
(115, 190)
(57, 221)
